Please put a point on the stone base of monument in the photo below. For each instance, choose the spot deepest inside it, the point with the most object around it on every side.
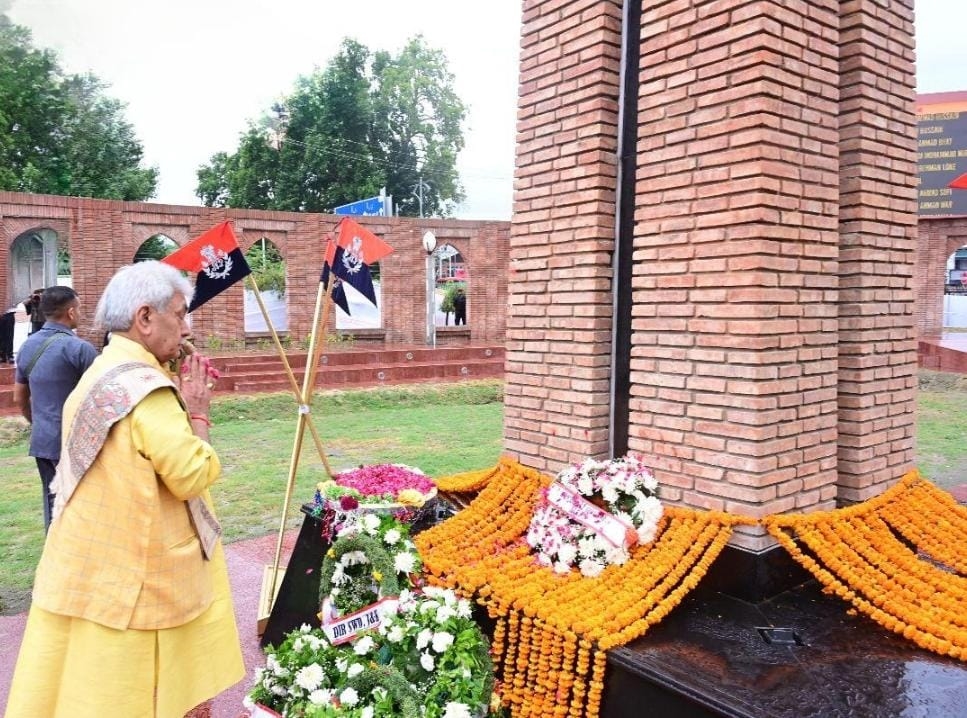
(796, 655)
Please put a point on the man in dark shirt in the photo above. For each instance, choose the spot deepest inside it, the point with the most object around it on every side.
(35, 311)
(49, 364)
(8, 324)
(460, 308)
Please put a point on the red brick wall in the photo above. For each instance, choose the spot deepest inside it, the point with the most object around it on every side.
(878, 235)
(103, 235)
(938, 238)
(559, 301)
(760, 195)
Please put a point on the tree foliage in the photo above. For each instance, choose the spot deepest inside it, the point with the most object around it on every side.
(365, 121)
(60, 134)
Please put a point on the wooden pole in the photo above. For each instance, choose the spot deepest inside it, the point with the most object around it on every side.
(322, 300)
(293, 383)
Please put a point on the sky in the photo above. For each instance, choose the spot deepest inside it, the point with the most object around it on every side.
(194, 72)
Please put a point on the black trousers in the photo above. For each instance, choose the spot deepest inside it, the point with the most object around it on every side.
(47, 467)
(8, 322)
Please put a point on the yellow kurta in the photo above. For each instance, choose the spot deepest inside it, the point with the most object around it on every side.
(127, 618)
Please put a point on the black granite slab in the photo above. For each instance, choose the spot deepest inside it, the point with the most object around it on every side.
(796, 655)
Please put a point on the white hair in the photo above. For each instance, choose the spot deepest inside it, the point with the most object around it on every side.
(150, 283)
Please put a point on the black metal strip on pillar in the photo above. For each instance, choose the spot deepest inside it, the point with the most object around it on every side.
(624, 227)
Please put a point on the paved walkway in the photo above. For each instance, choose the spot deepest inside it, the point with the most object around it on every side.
(246, 560)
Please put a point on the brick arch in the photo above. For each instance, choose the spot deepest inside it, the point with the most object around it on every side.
(937, 239)
(102, 235)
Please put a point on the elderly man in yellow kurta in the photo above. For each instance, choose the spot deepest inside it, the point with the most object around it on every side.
(131, 614)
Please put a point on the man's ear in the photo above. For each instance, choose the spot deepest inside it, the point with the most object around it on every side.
(142, 318)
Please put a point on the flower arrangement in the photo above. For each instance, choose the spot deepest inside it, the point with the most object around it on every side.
(372, 557)
(566, 531)
(404, 491)
(388, 483)
(429, 660)
(552, 630)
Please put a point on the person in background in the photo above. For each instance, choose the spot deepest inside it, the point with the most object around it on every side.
(8, 323)
(460, 307)
(35, 311)
(131, 613)
(49, 365)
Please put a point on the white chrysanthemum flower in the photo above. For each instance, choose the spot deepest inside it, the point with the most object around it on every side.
(339, 575)
(445, 613)
(364, 645)
(349, 697)
(392, 536)
(591, 568)
(309, 677)
(367, 712)
(272, 663)
(342, 664)
(354, 670)
(369, 523)
(297, 644)
(423, 638)
(280, 691)
(609, 493)
(464, 609)
(305, 628)
(395, 634)
(321, 696)
(353, 558)
(404, 562)
(567, 553)
(587, 546)
(562, 568)
(442, 641)
(433, 591)
(586, 485)
(258, 675)
(427, 661)
(456, 710)
(247, 703)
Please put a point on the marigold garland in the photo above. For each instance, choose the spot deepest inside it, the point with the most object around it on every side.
(552, 629)
(861, 554)
(467, 482)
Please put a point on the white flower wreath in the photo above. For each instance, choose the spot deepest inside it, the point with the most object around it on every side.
(626, 488)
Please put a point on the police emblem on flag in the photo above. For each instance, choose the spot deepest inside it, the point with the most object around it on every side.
(215, 263)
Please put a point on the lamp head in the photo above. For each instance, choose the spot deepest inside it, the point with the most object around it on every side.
(429, 241)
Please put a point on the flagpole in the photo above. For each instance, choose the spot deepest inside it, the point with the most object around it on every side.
(300, 397)
(297, 444)
(326, 308)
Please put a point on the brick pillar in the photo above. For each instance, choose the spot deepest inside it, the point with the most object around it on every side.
(878, 233)
(735, 331)
(559, 294)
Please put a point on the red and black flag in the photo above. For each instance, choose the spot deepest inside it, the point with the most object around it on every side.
(216, 260)
(338, 291)
(350, 257)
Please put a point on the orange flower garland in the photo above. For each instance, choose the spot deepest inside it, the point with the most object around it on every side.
(467, 482)
(553, 630)
(856, 554)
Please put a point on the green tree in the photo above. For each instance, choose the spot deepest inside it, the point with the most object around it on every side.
(267, 265)
(61, 134)
(362, 123)
(157, 246)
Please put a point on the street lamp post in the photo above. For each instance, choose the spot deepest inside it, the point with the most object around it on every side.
(429, 244)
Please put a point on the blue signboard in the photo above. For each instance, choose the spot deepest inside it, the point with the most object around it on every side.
(372, 207)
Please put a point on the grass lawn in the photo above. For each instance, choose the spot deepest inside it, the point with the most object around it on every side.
(442, 429)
